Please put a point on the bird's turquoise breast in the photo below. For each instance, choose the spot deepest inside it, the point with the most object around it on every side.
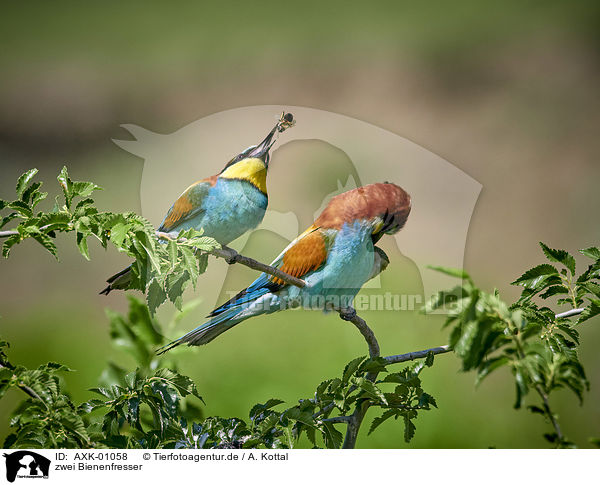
(349, 264)
(231, 208)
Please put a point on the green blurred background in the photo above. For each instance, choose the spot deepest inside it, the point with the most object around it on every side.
(508, 92)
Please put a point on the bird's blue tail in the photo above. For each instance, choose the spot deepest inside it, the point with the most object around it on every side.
(223, 318)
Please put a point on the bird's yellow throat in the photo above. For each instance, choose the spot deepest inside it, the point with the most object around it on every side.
(253, 170)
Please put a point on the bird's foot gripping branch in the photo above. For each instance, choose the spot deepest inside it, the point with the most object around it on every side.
(154, 406)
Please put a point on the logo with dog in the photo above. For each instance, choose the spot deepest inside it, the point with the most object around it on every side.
(26, 464)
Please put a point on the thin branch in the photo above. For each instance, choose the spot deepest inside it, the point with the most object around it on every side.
(549, 413)
(16, 233)
(570, 313)
(338, 419)
(420, 354)
(233, 257)
(356, 418)
(349, 314)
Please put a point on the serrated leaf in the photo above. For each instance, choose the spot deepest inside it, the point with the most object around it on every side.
(6, 219)
(351, 368)
(378, 364)
(371, 390)
(47, 242)
(559, 256)
(66, 185)
(21, 207)
(183, 384)
(590, 311)
(82, 245)
(190, 264)
(535, 277)
(155, 296)
(24, 180)
(592, 288)
(592, 252)
(554, 290)
(409, 429)
(172, 250)
(521, 387)
(175, 285)
(259, 408)
(202, 262)
(490, 366)
(83, 189)
(30, 192)
(118, 233)
(381, 419)
(333, 438)
(8, 243)
(300, 416)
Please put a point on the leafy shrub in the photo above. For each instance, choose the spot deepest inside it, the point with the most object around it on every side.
(154, 406)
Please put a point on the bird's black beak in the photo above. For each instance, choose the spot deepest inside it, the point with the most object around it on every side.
(262, 149)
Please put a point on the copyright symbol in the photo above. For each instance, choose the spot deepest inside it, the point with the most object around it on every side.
(146, 456)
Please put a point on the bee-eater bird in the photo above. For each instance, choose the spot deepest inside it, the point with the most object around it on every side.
(334, 257)
(225, 205)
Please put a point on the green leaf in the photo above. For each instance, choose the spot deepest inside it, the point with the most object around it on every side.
(591, 287)
(521, 386)
(202, 262)
(190, 264)
(172, 249)
(381, 419)
(554, 290)
(536, 277)
(333, 438)
(37, 197)
(378, 364)
(371, 389)
(590, 311)
(155, 296)
(31, 192)
(47, 242)
(300, 416)
(21, 207)
(6, 219)
(118, 233)
(351, 368)
(490, 366)
(175, 285)
(83, 189)
(182, 384)
(455, 272)
(257, 409)
(24, 180)
(8, 243)
(559, 256)
(592, 252)
(82, 245)
(409, 429)
(66, 185)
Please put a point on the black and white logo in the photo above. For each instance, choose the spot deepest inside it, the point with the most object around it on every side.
(26, 464)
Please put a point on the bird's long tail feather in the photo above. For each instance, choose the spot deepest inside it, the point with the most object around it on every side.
(118, 281)
(220, 323)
